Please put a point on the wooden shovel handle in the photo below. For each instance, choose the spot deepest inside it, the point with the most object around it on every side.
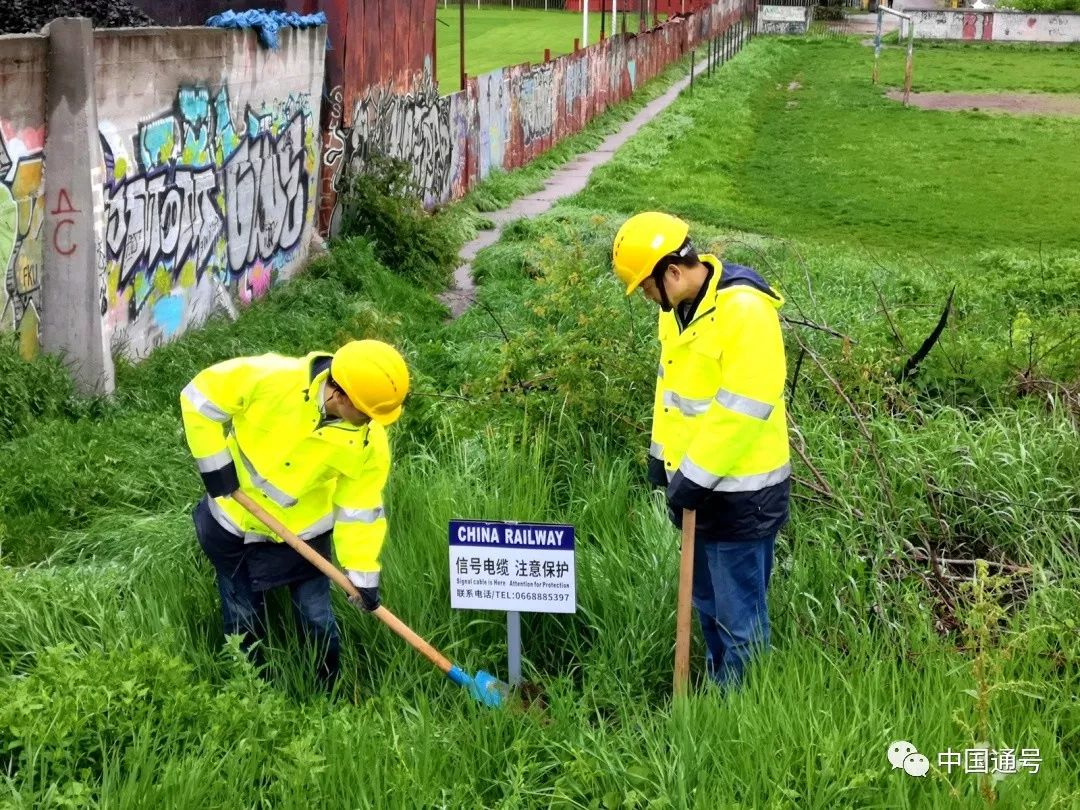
(338, 576)
(682, 616)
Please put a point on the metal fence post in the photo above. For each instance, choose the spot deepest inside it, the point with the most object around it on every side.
(461, 44)
(908, 64)
(877, 48)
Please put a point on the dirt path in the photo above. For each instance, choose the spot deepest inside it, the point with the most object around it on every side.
(566, 181)
(1011, 103)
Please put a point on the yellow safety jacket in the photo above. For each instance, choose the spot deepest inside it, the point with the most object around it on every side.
(260, 419)
(719, 424)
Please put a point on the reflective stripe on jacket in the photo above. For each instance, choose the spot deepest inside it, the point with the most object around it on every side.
(264, 415)
(719, 422)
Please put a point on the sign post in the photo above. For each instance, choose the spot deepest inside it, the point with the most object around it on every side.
(513, 647)
(516, 567)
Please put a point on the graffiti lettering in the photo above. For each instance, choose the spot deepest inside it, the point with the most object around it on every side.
(414, 127)
(177, 207)
(462, 114)
(21, 216)
(197, 203)
(170, 216)
(63, 204)
(576, 81)
(69, 247)
(336, 137)
(537, 104)
(494, 107)
(265, 194)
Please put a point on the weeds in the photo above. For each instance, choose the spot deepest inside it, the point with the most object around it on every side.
(116, 689)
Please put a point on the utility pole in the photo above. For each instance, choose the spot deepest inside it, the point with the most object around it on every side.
(585, 23)
(461, 36)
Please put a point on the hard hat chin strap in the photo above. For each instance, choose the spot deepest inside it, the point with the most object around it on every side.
(658, 278)
(660, 270)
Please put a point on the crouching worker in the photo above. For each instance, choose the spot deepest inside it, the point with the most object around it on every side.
(305, 437)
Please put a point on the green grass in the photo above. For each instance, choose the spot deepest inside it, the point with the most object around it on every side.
(835, 159)
(117, 691)
(1047, 6)
(497, 37)
(973, 66)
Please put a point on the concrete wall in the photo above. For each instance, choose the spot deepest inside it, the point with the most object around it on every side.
(185, 180)
(786, 20)
(996, 26)
(506, 118)
(22, 142)
(188, 160)
(210, 167)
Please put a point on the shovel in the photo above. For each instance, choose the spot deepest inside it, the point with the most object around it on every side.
(483, 686)
(682, 615)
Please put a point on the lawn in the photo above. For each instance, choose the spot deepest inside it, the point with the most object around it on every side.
(496, 37)
(804, 144)
(116, 690)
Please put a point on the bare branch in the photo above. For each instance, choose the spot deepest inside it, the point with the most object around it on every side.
(818, 327)
(885, 488)
(888, 318)
(913, 362)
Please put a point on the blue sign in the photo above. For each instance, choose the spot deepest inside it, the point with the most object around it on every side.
(477, 533)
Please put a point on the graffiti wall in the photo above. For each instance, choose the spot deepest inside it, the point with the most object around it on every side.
(992, 25)
(505, 119)
(374, 43)
(204, 167)
(22, 142)
(414, 127)
(209, 191)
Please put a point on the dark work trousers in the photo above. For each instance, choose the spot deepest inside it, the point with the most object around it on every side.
(246, 571)
(730, 581)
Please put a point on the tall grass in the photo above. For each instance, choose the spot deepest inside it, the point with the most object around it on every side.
(117, 689)
(116, 671)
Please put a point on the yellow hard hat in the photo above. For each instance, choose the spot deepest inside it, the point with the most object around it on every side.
(373, 376)
(642, 241)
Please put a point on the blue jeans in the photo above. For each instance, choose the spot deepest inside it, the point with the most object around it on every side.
(243, 606)
(730, 580)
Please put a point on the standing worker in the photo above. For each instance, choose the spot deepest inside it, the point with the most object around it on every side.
(719, 431)
(305, 437)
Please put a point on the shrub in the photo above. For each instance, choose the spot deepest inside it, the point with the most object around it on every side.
(381, 204)
(40, 388)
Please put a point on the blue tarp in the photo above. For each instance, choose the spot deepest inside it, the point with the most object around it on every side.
(266, 23)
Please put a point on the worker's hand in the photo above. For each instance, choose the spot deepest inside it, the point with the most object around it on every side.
(682, 493)
(367, 596)
(657, 474)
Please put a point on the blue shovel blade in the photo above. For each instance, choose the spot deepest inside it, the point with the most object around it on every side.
(488, 689)
(485, 687)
